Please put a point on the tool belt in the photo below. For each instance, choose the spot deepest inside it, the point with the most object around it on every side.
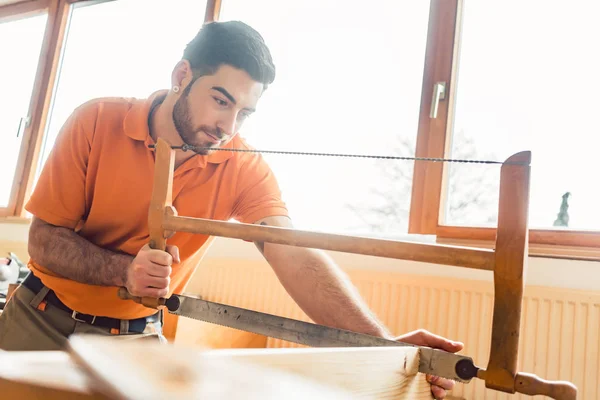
(138, 325)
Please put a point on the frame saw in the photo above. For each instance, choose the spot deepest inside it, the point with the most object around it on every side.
(507, 261)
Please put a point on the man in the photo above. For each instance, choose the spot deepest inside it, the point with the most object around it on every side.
(89, 230)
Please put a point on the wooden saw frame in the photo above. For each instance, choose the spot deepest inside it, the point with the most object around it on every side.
(507, 260)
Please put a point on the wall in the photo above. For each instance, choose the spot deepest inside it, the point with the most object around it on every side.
(13, 238)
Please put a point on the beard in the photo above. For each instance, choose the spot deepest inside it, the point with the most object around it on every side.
(190, 134)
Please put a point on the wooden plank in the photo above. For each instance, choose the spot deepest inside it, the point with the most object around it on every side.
(374, 372)
(42, 375)
(147, 370)
(133, 369)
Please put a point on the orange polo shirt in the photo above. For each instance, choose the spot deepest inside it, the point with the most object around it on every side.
(98, 181)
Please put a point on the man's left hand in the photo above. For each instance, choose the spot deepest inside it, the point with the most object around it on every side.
(422, 337)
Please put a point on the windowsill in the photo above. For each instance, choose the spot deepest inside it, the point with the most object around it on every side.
(535, 249)
(550, 243)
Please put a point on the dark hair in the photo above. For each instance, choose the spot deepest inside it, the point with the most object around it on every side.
(232, 43)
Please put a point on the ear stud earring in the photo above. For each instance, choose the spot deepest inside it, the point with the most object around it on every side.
(176, 89)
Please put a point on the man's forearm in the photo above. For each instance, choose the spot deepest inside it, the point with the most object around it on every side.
(67, 254)
(322, 290)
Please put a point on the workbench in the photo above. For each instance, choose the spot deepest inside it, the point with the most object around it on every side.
(97, 367)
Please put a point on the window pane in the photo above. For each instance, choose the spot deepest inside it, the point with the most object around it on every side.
(349, 76)
(527, 82)
(119, 48)
(20, 45)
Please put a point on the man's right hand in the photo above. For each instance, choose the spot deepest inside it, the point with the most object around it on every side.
(148, 275)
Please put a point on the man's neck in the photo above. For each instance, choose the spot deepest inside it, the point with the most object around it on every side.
(161, 126)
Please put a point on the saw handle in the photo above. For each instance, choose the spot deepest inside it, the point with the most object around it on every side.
(150, 302)
(160, 204)
(532, 385)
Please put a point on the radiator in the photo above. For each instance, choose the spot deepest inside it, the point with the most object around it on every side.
(560, 329)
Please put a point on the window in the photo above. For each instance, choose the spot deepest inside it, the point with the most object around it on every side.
(134, 58)
(526, 78)
(18, 69)
(353, 77)
(349, 76)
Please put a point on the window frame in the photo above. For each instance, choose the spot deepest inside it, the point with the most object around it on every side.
(9, 13)
(434, 140)
(59, 12)
(433, 137)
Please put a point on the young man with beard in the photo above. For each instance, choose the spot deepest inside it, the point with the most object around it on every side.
(89, 230)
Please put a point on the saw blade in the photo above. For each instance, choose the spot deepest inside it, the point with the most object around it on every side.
(431, 361)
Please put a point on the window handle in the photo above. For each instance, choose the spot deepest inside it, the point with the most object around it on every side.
(26, 121)
(439, 93)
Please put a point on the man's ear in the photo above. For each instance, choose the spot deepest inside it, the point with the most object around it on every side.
(182, 74)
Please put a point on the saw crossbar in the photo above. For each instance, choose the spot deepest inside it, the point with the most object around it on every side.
(507, 261)
(431, 253)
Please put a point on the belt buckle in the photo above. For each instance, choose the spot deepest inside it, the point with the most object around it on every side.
(74, 316)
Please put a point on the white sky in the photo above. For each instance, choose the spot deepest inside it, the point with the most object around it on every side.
(350, 82)
(527, 82)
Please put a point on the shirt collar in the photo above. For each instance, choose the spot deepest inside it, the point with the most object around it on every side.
(135, 125)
